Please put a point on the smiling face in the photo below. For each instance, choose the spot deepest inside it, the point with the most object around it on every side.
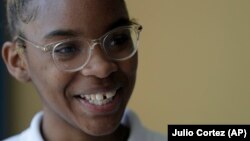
(75, 100)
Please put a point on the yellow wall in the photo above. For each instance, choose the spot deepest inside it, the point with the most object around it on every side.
(194, 65)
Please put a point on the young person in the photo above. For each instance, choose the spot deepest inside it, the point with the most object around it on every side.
(81, 56)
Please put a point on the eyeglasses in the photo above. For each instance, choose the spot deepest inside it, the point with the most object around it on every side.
(73, 54)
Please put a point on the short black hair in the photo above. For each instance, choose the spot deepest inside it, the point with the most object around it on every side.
(19, 12)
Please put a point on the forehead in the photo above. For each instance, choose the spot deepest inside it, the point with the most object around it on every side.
(78, 15)
(82, 7)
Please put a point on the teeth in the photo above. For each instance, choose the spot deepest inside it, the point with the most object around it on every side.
(82, 96)
(93, 97)
(91, 101)
(110, 94)
(88, 97)
(99, 97)
(98, 102)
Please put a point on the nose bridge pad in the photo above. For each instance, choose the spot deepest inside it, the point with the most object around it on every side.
(92, 47)
(96, 43)
(98, 64)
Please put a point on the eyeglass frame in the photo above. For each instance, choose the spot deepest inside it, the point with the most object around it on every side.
(92, 43)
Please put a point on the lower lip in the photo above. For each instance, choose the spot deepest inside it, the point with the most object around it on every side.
(107, 108)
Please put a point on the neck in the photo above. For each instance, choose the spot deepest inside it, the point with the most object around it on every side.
(56, 129)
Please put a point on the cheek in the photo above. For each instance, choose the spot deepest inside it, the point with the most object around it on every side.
(44, 74)
(129, 67)
(50, 84)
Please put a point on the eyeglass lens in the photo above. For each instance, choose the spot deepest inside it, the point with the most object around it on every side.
(73, 54)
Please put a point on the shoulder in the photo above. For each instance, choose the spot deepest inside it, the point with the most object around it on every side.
(13, 138)
(18, 137)
(30, 134)
(138, 131)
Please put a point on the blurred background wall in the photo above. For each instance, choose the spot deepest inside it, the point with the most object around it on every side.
(194, 62)
(193, 65)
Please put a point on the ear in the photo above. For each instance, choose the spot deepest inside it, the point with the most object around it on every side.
(15, 61)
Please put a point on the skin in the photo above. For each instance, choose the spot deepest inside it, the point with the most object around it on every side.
(64, 117)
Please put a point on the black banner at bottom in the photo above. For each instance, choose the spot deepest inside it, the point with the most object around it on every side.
(211, 132)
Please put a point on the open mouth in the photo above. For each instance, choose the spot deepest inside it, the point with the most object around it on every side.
(98, 99)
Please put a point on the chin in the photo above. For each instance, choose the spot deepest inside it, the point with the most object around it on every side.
(102, 130)
(101, 125)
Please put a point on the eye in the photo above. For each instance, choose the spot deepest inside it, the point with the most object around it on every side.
(66, 51)
(118, 42)
(68, 47)
(119, 39)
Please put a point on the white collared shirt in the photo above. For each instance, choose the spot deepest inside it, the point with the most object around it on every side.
(130, 119)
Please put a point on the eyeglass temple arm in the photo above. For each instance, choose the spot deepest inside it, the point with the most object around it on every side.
(36, 46)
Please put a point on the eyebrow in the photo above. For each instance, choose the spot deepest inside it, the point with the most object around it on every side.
(120, 22)
(73, 33)
(61, 32)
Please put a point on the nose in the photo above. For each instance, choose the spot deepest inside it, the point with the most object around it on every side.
(99, 64)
